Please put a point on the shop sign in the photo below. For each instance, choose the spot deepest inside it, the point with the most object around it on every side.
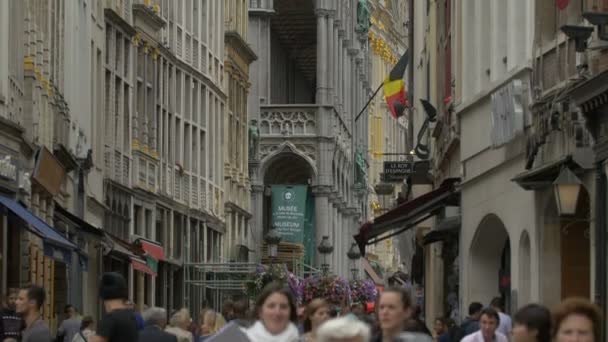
(396, 171)
(49, 172)
(8, 170)
(289, 211)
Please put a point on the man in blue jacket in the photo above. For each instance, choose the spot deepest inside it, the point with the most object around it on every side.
(471, 323)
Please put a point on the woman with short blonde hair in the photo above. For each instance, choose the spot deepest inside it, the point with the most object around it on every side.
(180, 322)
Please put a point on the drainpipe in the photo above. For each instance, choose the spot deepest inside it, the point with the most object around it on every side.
(600, 251)
(410, 77)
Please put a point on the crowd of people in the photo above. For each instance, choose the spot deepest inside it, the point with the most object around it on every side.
(276, 318)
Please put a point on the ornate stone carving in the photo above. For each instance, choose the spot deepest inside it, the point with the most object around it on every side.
(288, 121)
(341, 133)
(265, 150)
(309, 150)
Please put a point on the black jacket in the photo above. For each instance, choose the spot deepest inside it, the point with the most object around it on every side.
(152, 333)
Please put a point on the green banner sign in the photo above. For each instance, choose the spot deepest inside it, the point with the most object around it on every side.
(289, 211)
(152, 263)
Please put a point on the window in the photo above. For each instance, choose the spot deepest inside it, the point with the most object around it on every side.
(187, 147)
(195, 17)
(203, 155)
(195, 151)
(137, 220)
(138, 130)
(178, 139)
(547, 11)
(108, 42)
(178, 95)
(187, 102)
(126, 115)
(148, 223)
(160, 226)
(203, 108)
(178, 235)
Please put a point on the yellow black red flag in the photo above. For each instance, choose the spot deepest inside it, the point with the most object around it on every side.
(394, 87)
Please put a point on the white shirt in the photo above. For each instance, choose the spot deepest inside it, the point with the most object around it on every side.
(477, 337)
(505, 324)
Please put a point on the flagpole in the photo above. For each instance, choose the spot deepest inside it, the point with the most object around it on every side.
(368, 101)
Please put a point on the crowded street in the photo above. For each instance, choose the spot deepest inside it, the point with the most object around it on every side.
(303, 170)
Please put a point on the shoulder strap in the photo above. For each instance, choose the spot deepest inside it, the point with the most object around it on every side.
(82, 336)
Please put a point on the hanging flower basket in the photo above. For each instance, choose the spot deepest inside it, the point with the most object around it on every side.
(363, 291)
(266, 274)
(332, 288)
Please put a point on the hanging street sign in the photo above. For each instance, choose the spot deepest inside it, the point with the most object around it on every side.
(396, 171)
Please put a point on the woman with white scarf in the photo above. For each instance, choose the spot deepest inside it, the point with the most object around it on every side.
(276, 312)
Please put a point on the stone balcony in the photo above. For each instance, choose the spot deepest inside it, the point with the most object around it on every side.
(304, 125)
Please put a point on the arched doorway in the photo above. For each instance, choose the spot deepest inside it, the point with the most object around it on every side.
(566, 266)
(490, 262)
(287, 177)
(524, 269)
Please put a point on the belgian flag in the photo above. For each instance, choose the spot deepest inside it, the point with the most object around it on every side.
(394, 87)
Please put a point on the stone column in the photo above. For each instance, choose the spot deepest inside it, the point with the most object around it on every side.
(259, 40)
(349, 91)
(342, 236)
(330, 225)
(230, 236)
(244, 230)
(321, 194)
(339, 243)
(322, 53)
(257, 208)
(336, 62)
(335, 264)
(331, 60)
(341, 66)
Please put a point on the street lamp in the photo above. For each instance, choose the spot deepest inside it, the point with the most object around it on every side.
(325, 248)
(566, 188)
(353, 254)
(272, 240)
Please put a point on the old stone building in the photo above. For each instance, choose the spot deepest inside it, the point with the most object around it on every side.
(48, 141)
(236, 131)
(163, 158)
(112, 139)
(310, 78)
(387, 136)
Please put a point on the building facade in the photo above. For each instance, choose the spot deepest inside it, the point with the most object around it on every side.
(387, 136)
(311, 76)
(238, 57)
(51, 219)
(112, 121)
(510, 120)
(164, 174)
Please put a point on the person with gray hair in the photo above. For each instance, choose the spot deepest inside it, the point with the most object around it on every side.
(344, 329)
(156, 321)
